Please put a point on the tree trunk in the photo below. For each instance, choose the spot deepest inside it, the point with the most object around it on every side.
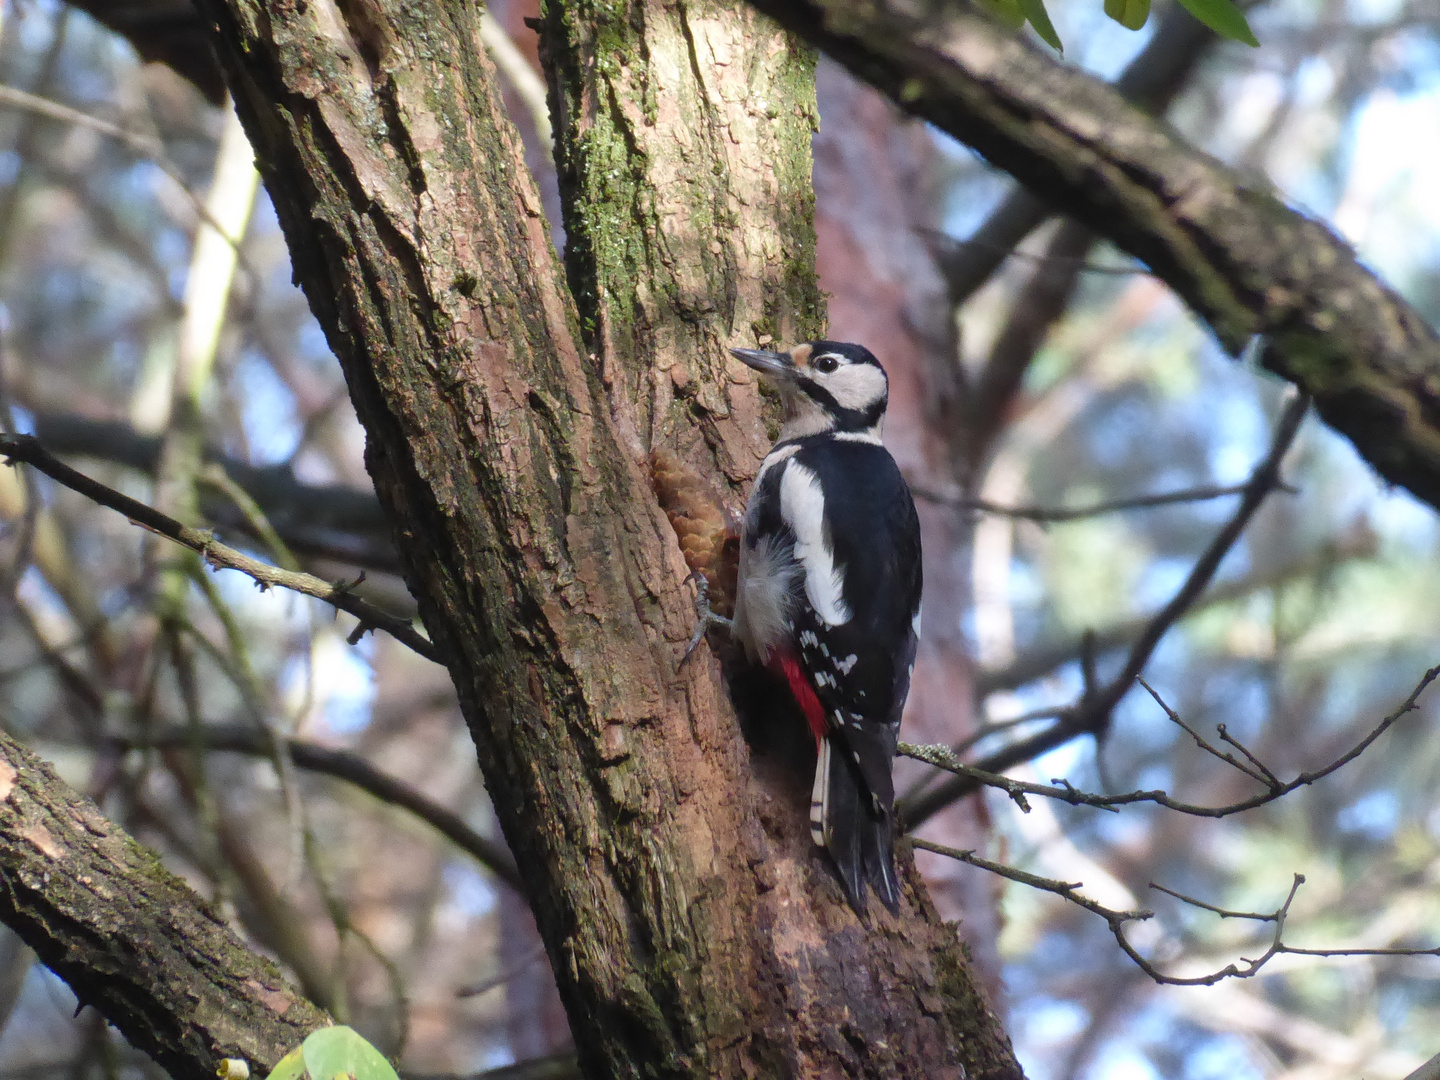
(693, 928)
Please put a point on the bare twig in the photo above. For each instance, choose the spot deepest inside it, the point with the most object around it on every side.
(1092, 713)
(221, 556)
(519, 967)
(973, 776)
(1224, 913)
(1117, 921)
(1229, 759)
(353, 769)
(146, 146)
(1068, 890)
(1049, 514)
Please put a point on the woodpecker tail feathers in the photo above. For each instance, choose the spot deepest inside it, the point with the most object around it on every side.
(858, 834)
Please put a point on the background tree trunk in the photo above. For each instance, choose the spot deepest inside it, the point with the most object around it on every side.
(693, 928)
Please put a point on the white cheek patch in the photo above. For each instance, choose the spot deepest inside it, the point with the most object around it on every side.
(803, 508)
(856, 386)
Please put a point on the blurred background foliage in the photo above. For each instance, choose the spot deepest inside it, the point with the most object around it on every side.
(132, 346)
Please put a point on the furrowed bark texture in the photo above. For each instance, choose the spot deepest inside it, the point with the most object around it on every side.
(684, 152)
(130, 937)
(678, 906)
(684, 160)
(1245, 262)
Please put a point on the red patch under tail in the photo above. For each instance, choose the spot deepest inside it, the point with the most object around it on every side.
(787, 664)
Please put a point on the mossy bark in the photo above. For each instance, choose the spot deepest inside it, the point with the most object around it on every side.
(131, 938)
(693, 929)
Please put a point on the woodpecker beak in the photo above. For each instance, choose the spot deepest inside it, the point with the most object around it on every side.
(775, 364)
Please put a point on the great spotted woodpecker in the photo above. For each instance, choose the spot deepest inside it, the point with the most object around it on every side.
(828, 596)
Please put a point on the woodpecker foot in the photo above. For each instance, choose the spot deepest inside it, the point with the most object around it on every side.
(705, 618)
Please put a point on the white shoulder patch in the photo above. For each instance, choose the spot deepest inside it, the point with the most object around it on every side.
(775, 457)
(869, 435)
(802, 506)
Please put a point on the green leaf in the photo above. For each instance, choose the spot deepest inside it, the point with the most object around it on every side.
(339, 1052)
(1130, 14)
(1040, 20)
(1223, 17)
(1007, 11)
(291, 1066)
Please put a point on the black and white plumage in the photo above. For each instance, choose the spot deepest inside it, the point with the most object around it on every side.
(829, 593)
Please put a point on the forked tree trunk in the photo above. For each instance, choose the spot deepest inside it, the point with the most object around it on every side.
(693, 929)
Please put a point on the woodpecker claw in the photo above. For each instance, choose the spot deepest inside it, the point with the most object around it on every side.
(704, 616)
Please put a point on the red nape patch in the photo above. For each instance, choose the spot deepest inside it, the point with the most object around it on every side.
(788, 664)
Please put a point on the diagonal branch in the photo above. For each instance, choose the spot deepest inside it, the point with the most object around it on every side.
(943, 757)
(353, 769)
(27, 449)
(1117, 920)
(1244, 261)
(1092, 713)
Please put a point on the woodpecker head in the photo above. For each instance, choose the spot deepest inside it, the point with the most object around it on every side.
(826, 386)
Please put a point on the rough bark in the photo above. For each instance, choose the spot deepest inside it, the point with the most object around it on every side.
(1244, 262)
(693, 928)
(132, 939)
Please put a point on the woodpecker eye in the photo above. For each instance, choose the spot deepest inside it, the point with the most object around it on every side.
(826, 364)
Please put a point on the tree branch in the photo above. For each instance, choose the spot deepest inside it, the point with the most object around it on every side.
(332, 521)
(353, 769)
(27, 449)
(1092, 712)
(1046, 515)
(942, 757)
(1150, 81)
(131, 938)
(1117, 921)
(1244, 262)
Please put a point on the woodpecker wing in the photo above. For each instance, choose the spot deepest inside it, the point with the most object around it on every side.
(855, 620)
(854, 624)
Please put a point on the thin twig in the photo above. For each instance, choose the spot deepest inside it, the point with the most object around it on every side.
(975, 776)
(1229, 759)
(353, 769)
(519, 967)
(1050, 514)
(27, 449)
(146, 146)
(1068, 890)
(1225, 736)
(1092, 713)
(1117, 920)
